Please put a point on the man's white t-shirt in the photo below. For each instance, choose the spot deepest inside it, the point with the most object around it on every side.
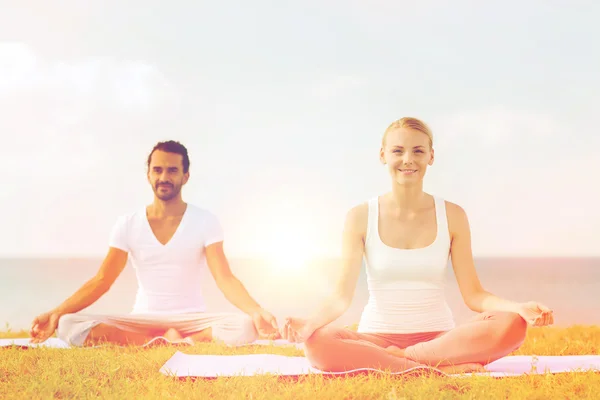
(168, 275)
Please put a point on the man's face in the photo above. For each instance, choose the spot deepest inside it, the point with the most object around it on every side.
(165, 174)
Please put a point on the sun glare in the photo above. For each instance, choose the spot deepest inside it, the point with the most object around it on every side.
(289, 244)
(289, 252)
(287, 235)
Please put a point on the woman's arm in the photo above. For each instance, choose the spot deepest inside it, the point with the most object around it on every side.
(353, 246)
(473, 294)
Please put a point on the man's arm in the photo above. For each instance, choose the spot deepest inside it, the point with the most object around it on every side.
(44, 325)
(231, 287)
(96, 287)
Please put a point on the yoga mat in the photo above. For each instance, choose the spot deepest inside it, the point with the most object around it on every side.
(59, 344)
(211, 366)
(55, 343)
(277, 343)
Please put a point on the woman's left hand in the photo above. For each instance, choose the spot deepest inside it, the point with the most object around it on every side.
(536, 314)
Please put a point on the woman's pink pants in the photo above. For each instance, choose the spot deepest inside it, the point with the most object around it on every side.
(486, 338)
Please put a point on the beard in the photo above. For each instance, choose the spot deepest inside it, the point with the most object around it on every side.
(167, 192)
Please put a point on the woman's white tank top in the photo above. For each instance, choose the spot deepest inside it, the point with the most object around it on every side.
(406, 286)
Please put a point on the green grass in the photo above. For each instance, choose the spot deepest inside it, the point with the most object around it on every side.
(132, 373)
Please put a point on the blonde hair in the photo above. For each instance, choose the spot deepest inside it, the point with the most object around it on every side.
(410, 123)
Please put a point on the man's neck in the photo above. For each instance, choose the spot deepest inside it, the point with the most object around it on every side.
(171, 208)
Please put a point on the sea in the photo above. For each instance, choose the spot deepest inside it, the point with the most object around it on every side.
(570, 286)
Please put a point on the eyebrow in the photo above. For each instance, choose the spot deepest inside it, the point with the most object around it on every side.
(415, 147)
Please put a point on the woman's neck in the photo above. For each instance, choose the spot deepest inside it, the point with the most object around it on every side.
(408, 197)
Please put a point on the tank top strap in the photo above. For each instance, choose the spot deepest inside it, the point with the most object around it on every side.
(442, 218)
(372, 219)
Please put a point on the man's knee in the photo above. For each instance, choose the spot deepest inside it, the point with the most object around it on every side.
(65, 325)
(248, 329)
(73, 329)
(235, 330)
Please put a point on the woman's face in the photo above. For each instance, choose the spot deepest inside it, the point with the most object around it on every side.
(407, 153)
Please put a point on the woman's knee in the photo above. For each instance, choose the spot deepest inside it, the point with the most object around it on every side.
(512, 330)
(319, 348)
(321, 336)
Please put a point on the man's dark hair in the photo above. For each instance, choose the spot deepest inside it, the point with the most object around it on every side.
(172, 146)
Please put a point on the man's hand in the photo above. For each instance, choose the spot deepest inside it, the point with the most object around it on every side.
(43, 326)
(266, 324)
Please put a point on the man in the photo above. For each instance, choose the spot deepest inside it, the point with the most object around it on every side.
(169, 241)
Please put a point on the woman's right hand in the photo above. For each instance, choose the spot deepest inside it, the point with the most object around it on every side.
(297, 330)
(43, 326)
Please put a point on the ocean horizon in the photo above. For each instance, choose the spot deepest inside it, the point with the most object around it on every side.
(568, 285)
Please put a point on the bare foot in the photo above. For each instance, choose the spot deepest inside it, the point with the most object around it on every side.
(449, 369)
(202, 336)
(462, 368)
(396, 351)
(172, 335)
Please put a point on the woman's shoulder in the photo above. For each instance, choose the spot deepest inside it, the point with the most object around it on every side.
(456, 215)
(357, 218)
(358, 212)
(452, 207)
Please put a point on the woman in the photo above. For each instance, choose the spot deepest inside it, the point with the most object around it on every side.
(406, 237)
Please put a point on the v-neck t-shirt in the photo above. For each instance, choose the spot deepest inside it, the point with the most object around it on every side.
(168, 275)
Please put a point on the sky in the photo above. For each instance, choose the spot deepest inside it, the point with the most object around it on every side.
(282, 107)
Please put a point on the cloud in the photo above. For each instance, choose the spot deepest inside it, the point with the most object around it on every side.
(68, 130)
(494, 127)
(336, 86)
(129, 85)
(525, 179)
(63, 113)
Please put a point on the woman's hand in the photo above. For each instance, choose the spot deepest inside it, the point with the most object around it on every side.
(536, 314)
(297, 330)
